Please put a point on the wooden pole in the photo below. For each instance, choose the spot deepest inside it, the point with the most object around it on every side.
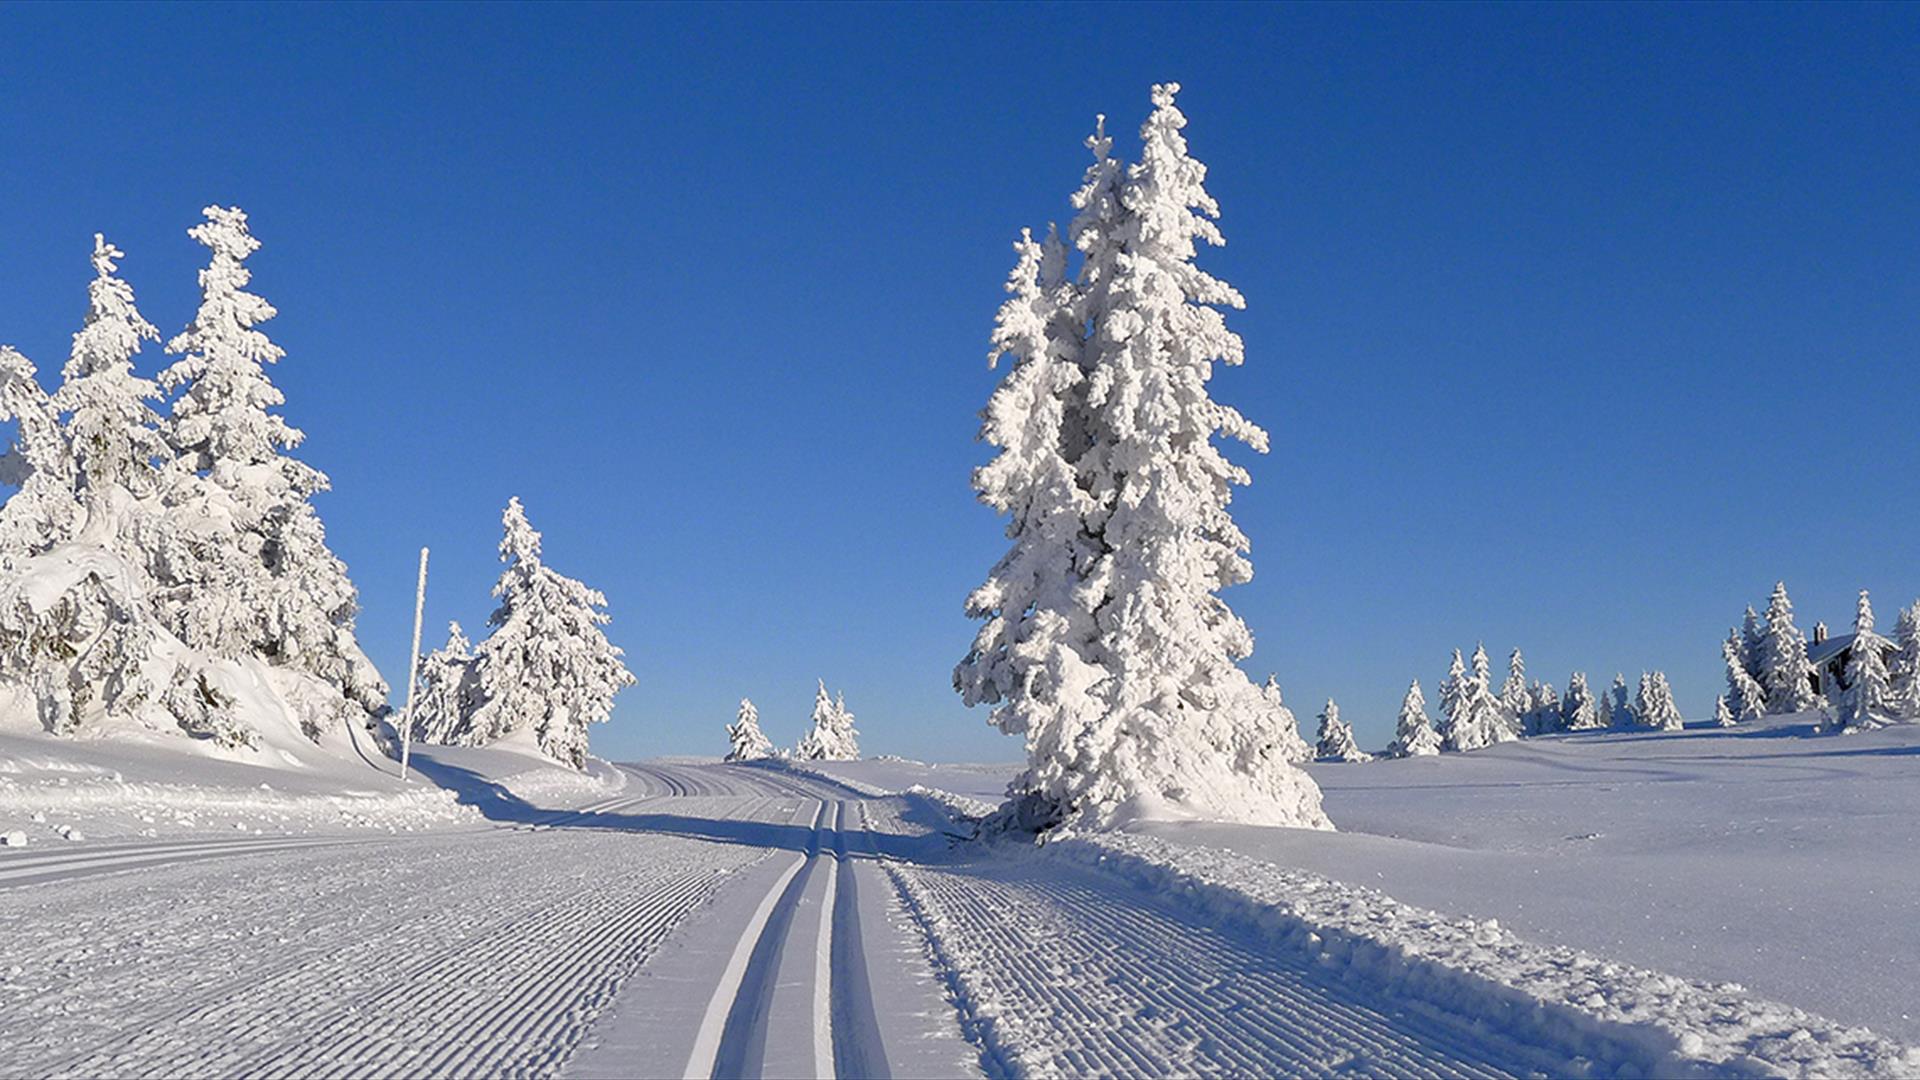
(413, 667)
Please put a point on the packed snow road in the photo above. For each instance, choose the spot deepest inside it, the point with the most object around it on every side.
(705, 921)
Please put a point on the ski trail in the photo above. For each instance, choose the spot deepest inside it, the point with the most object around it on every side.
(857, 1049)
(75, 865)
(1057, 970)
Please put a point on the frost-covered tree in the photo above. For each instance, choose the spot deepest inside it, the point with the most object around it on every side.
(1579, 711)
(1868, 700)
(1722, 716)
(1744, 700)
(1413, 735)
(1619, 709)
(112, 429)
(1785, 674)
(1283, 742)
(1906, 662)
(1104, 640)
(43, 511)
(746, 742)
(1336, 738)
(832, 737)
(1543, 709)
(1653, 706)
(448, 692)
(248, 569)
(1752, 631)
(1478, 719)
(547, 666)
(1516, 699)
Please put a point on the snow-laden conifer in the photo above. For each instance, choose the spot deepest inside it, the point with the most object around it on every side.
(745, 740)
(1752, 631)
(1483, 720)
(1653, 706)
(1543, 709)
(1516, 698)
(248, 570)
(1105, 643)
(1619, 708)
(43, 511)
(1868, 701)
(1906, 662)
(1336, 738)
(547, 667)
(1453, 700)
(832, 736)
(448, 692)
(1785, 674)
(111, 427)
(1413, 734)
(1722, 716)
(1744, 700)
(1579, 711)
(1283, 742)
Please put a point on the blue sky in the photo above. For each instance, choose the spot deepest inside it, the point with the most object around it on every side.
(1575, 326)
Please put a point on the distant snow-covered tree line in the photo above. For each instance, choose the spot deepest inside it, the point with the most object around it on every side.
(162, 565)
(831, 736)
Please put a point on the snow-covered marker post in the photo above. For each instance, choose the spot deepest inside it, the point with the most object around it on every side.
(413, 667)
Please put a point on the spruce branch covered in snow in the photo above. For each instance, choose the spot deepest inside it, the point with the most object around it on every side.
(1104, 642)
(1413, 734)
(1579, 711)
(1653, 705)
(1336, 738)
(547, 667)
(1784, 674)
(832, 737)
(1868, 701)
(746, 742)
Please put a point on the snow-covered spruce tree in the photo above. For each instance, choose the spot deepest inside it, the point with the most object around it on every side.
(1653, 706)
(1105, 643)
(1483, 720)
(43, 511)
(832, 737)
(746, 742)
(1579, 711)
(1868, 701)
(1906, 662)
(448, 691)
(1453, 701)
(1516, 699)
(1744, 700)
(1543, 709)
(547, 667)
(246, 567)
(1785, 674)
(1413, 735)
(1722, 716)
(1619, 709)
(112, 429)
(1752, 630)
(1283, 742)
(1336, 738)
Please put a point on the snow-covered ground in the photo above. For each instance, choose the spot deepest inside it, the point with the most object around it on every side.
(1551, 907)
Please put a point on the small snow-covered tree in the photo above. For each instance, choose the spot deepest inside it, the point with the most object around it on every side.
(547, 666)
(832, 737)
(448, 692)
(1785, 674)
(1482, 720)
(43, 511)
(1722, 716)
(1105, 639)
(1516, 700)
(1543, 709)
(1283, 741)
(1868, 700)
(1413, 734)
(1653, 706)
(1336, 738)
(1906, 662)
(247, 567)
(1579, 711)
(1619, 709)
(1752, 632)
(111, 427)
(746, 742)
(1744, 700)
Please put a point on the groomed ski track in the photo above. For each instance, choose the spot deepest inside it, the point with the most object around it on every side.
(709, 920)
